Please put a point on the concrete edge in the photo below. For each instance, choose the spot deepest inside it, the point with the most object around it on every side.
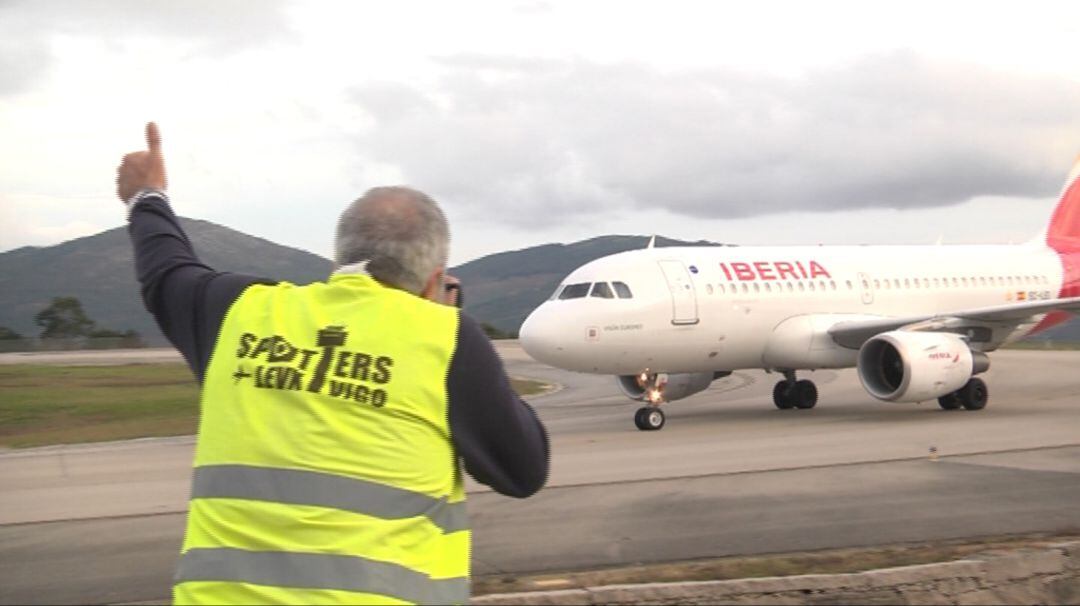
(981, 577)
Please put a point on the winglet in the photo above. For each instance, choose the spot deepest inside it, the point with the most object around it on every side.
(652, 242)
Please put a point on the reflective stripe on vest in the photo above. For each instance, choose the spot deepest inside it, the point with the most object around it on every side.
(301, 487)
(311, 570)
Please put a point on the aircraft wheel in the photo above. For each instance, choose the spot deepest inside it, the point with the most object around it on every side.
(783, 395)
(649, 418)
(805, 394)
(974, 395)
(949, 401)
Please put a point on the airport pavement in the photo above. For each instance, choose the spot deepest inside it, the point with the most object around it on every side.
(728, 475)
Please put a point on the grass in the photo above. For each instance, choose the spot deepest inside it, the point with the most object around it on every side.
(832, 561)
(43, 405)
(529, 387)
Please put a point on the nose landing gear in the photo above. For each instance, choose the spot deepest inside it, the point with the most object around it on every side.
(793, 393)
(650, 417)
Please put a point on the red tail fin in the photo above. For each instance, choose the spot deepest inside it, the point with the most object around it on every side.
(1064, 232)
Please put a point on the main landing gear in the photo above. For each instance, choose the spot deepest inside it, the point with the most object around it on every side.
(793, 393)
(972, 396)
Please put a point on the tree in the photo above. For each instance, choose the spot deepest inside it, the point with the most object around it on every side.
(8, 334)
(64, 319)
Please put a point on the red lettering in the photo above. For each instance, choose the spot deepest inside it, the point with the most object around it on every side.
(802, 270)
(785, 268)
(764, 270)
(742, 271)
(817, 270)
(727, 273)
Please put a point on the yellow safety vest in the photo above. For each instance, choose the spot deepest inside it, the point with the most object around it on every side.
(324, 470)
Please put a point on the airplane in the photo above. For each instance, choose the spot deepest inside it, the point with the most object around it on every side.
(916, 322)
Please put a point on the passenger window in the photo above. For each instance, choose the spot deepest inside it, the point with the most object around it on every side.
(623, 290)
(601, 290)
(575, 291)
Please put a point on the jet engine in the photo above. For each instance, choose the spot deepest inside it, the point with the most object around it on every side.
(662, 387)
(902, 366)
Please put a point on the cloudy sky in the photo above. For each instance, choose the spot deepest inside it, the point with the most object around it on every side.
(536, 121)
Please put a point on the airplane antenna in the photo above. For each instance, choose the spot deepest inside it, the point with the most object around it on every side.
(652, 242)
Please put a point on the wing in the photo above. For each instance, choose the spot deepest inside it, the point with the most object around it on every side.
(852, 334)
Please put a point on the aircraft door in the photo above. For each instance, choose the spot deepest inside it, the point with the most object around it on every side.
(864, 287)
(683, 297)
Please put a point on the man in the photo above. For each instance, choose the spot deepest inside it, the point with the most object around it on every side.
(333, 415)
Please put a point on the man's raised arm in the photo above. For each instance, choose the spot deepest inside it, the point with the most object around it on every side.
(187, 298)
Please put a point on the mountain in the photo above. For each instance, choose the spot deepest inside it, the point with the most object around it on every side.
(99, 271)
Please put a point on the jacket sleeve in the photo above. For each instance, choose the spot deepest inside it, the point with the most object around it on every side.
(502, 442)
(187, 298)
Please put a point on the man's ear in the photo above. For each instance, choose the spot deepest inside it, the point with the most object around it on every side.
(433, 288)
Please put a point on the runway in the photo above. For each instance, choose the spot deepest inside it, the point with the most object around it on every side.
(729, 474)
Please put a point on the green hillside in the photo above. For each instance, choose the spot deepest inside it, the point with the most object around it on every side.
(99, 270)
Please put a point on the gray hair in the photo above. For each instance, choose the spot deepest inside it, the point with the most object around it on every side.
(399, 231)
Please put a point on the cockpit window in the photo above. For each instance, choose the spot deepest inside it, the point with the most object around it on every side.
(575, 291)
(555, 295)
(623, 290)
(602, 290)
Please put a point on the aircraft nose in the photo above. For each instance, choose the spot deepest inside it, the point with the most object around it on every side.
(539, 334)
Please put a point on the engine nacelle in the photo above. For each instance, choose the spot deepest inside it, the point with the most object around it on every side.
(668, 387)
(902, 366)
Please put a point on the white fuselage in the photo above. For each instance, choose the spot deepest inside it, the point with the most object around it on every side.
(696, 309)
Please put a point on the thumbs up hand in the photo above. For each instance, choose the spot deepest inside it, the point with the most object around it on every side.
(142, 169)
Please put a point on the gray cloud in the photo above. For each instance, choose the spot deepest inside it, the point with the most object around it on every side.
(212, 27)
(526, 140)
